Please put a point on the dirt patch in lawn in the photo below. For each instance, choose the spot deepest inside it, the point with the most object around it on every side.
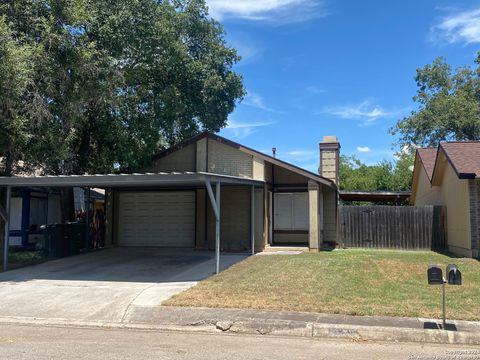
(355, 282)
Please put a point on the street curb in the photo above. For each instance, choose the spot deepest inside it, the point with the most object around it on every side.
(275, 328)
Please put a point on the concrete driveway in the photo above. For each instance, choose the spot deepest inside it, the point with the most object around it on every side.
(107, 285)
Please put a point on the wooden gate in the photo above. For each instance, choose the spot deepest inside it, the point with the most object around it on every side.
(392, 227)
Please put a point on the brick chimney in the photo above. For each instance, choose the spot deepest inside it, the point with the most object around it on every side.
(330, 158)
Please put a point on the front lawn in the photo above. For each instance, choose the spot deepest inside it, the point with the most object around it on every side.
(355, 282)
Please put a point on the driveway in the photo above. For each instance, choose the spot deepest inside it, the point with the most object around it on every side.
(107, 285)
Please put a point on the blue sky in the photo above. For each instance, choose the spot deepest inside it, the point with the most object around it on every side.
(344, 68)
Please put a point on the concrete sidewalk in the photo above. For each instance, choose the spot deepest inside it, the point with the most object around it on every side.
(357, 328)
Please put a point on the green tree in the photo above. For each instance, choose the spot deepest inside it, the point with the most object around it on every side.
(115, 82)
(448, 106)
(383, 176)
(16, 78)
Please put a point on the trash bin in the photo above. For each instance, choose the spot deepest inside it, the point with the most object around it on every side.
(54, 240)
(74, 235)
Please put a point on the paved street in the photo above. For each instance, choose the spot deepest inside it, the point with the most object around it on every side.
(34, 342)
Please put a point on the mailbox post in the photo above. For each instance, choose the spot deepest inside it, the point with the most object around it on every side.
(435, 277)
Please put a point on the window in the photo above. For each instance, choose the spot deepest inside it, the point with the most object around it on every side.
(291, 211)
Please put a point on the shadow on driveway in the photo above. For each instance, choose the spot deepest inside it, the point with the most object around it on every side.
(105, 285)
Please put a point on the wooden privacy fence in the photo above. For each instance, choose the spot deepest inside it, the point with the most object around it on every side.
(392, 227)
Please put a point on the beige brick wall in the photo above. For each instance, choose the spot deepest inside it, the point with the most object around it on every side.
(226, 160)
(329, 164)
(474, 197)
(235, 219)
(181, 160)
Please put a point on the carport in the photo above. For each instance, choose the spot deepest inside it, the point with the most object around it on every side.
(145, 182)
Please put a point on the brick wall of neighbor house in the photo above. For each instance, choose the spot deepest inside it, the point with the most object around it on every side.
(181, 160)
(474, 195)
(235, 219)
(329, 233)
(223, 159)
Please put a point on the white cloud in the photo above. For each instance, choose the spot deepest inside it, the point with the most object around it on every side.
(461, 27)
(246, 47)
(255, 100)
(363, 149)
(241, 130)
(276, 11)
(299, 155)
(315, 90)
(367, 112)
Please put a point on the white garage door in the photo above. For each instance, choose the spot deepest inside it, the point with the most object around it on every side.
(161, 219)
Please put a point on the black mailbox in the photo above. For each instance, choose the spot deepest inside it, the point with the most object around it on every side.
(454, 275)
(434, 274)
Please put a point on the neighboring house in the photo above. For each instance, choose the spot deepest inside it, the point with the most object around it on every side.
(450, 176)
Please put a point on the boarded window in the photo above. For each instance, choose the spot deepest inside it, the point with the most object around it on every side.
(291, 211)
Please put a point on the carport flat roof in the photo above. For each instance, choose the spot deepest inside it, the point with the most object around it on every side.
(127, 180)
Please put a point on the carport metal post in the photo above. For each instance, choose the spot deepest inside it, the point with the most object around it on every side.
(7, 228)
(252, 217)
(215, 200)
(217, 230)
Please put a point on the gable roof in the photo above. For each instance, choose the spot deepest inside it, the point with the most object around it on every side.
(298, 170)
(464, 157)
(427, 158)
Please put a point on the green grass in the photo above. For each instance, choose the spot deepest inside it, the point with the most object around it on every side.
(354, 282)
(21, 258)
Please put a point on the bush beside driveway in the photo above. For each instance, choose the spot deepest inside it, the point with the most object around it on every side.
(353, 282)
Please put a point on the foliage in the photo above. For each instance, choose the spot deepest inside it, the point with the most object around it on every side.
(448, 106)
(111, 83)
(384, 176)
(16, 76)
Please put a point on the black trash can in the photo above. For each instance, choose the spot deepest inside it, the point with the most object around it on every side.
(55, 240)
(74, 235)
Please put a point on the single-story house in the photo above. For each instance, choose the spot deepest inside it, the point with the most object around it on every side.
(211, 193)
(449, 175)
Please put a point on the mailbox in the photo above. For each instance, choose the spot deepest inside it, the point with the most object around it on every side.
(434, 275)
(454, 276)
